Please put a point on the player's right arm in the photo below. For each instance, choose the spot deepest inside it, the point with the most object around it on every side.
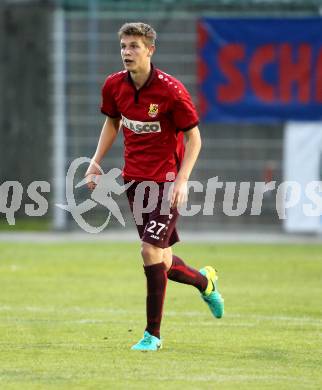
(108, 134)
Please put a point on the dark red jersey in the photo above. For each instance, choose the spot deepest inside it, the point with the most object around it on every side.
(153, 121)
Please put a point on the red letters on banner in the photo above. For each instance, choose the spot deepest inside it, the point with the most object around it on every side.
(298, 76)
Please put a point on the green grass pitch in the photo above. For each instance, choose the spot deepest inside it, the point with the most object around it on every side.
(70, 312)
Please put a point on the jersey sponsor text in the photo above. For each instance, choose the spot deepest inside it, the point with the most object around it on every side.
(141, 127)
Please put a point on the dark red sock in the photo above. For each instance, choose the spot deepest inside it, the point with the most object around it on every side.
(156, 277)
(182, 273)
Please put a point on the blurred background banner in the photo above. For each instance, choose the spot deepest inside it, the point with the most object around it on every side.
(260, 69)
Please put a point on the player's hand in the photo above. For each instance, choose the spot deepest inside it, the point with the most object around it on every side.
(92, 174)
(179, 193)
(91, 181)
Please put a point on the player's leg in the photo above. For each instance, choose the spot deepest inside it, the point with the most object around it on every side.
(180, 272)
(156, 276)
(204, 280)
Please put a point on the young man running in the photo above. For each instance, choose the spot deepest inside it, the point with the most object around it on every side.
(155, 112)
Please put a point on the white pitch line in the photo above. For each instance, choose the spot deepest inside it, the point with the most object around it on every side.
(170, 313)
(281, 318)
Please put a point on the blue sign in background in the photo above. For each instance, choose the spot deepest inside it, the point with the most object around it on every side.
(260, 69)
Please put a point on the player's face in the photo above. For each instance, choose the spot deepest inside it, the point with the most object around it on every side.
(135, 54)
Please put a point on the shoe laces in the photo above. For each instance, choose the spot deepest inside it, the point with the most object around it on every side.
(146, 339)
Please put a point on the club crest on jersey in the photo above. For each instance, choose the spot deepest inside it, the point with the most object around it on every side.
(153, 110)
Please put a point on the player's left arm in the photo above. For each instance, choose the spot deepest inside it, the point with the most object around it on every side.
(192, 149)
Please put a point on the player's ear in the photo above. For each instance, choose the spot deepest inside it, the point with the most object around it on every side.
(151, 50)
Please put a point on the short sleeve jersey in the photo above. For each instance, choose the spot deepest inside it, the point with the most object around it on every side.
(153, 120)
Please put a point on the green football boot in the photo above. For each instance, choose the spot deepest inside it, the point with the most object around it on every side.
(148, 343)
(211, 295)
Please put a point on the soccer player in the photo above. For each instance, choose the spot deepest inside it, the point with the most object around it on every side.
(156, 113)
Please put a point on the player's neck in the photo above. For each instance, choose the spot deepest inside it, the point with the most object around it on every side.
(139, 78)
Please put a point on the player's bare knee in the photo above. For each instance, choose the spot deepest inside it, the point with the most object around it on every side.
(150, 253)
(147, 251)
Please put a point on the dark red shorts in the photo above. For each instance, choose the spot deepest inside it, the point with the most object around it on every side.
(156, 226)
